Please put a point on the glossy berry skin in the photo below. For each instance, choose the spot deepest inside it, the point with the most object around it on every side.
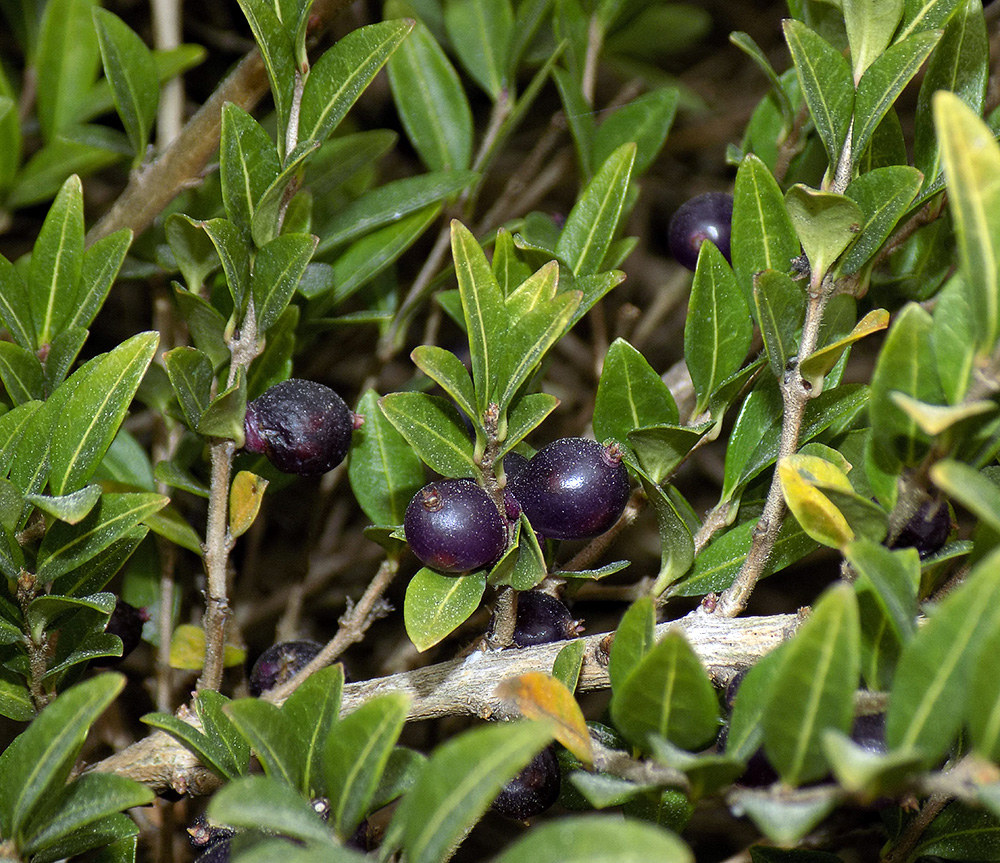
(705, 217)
(301, 426)
(126, 622)
(533, 790)
(927, 531)
(572, 489)
(280, 663)
(541, 619)
(452, 525)
(213, 842)
(868, 732)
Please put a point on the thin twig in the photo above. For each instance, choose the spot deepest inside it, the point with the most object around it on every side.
(915, 829)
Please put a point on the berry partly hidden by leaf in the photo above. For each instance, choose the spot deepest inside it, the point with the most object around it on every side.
(541, 619)
(927, 531)
(301, 426)
(126, 622)
(452, 525)
(705, 217)
(533, 790)
(280, 663)
(572, 489)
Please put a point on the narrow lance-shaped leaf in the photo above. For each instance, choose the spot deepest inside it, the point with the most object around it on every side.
(277, 270)
(101, 263)
(870, 25)
(630, 395)
(781, 308)
(248, 164)
(448, 371)
(433, 427)
(66, 60)
(481, 32)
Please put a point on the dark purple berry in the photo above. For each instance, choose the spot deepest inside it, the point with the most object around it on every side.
(705, 217)
(927, 531)
(533, 790)
(514, 463)
(126, 622)
(572, 489)
(541, 619)
(452, 525)
(217, 852)
(868, 732)
(280, 663)
(201, 834)
(301, 426)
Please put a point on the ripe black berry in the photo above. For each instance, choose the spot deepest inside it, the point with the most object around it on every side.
(868, 732)
(541, 619)
(280, 663)
(928, 529)
(212, 841)
(126, 622)
(533, 790)
(572, 489)
(301, 426)
(705, 217)
(452, 525)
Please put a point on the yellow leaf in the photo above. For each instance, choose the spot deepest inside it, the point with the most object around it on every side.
(539, 696)
(187, 649)
(245, 496)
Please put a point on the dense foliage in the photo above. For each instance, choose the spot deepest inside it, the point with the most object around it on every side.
(367, 305)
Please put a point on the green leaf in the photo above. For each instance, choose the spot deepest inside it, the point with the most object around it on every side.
(270, 736)
(339, 77)
(278, 53)
(192, 249)
(101, 263)
(781, 308)
(935, 668)
(510, 271)
(746, 734)
(433, 427)
(870, 25)
(277, 270)
(959, 64)
(667, 693)
(66, 64)
(718, 329)
(816, 688)
(529, 567)
(972, 167)
(447, 370)
(785, 819)
(273, 205)
(191, 376)
(56, 263)
(70, 508)
(817, 365)
(645, 120)
(534, 289)
(660, 449)
(676, 544)
(919, 15)
(953, 338)
(762, 235)
(435, 605)
(591, 224)
(206, 324)
(458, 782)
(223, 418)
(262, 802)
(969, 487)
(905, 364)
(884, 81)
(231, 248)
(131, 71)
(21, 373)
(233, 751)
(608, 838)
(568, 663)
(825, 222)
(634, 638)
(483, 306)
(46, 171)
(826, 83)
(94, 412)
(15, 699)
(630, 395)
(961, 833)
(526, 414)
(67, 546)
(88, 799)
(356, 754)
(983, 707)
(432, 105)
(209, 752)
(15, 306)
(884, 196)
(314, 707)
(248, 165)
(114, 835)
(39, 760)
(384, 471)
(481, 32)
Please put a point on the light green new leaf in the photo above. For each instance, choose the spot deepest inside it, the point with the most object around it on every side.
(435, 605)
(718, 330)
(630, 395)
(825, 222)
(56, 262)
(969, 487)
(131, 72)
(384, 471)
(591, 224)
(459, 781)
(339, 77)
(430, 99)
(815, 691)
(39, 760)
(91, 417)
(434, 428)
(481, 32)
(71, 508)
(870, 25)
(826, 82)
(972, 168)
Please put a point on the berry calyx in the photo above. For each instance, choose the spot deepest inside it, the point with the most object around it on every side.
(280, 663)
(704, 217)
(533, 790)
(452, 525)
(303, 427)
(573, 488)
